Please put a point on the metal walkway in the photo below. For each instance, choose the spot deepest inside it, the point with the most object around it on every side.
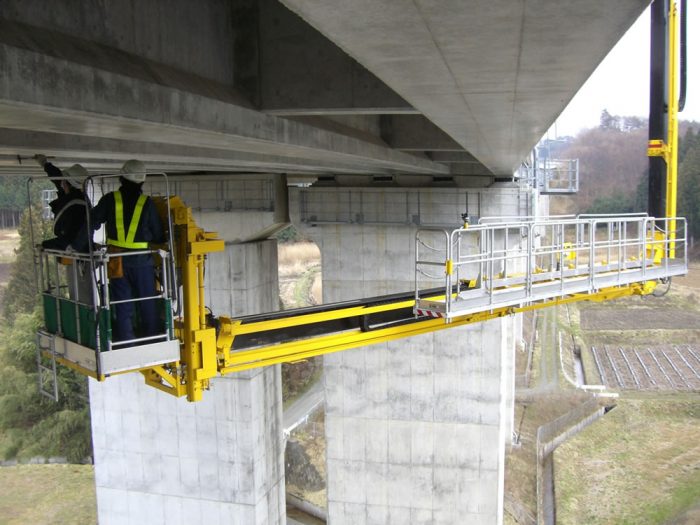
(506, 263)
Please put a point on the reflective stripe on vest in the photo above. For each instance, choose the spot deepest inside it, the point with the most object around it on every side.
(127, 241)
(74, 202)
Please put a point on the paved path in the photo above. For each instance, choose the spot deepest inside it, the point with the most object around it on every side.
(302, 407)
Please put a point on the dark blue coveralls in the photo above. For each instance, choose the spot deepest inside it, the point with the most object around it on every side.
(139, 276)
(69, 213)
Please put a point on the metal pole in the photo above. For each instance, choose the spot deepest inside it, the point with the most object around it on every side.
(658, 96)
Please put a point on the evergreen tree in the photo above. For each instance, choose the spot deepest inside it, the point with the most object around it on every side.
(22, 294)
(689, 186)
(31, 424)
(686, 143)
(13, 193)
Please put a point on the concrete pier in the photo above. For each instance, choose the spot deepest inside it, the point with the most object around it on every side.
(416, 429)
(159, 459)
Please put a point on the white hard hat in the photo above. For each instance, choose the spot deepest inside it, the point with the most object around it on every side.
(75, 175)
(134, 171)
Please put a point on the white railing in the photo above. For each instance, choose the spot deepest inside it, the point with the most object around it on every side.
(508, 261)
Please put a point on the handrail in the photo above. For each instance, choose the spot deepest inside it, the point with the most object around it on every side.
(48, 280)
(518, 218)
(515, 263)
(611, 215)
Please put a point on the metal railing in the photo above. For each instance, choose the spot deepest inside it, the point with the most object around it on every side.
(513, 262)
(77, 298)
(81, 281)
(552, 176)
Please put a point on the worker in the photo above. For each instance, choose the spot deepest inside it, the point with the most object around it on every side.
(69, 208)
(70, 217)
(132, 222)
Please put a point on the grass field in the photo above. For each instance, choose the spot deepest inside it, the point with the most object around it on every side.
(47, 494)
(639, 464)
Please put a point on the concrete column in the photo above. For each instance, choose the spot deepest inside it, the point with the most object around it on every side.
(416, 429)
(159, 459)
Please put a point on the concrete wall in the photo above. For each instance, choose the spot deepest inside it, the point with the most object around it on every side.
(159, 459)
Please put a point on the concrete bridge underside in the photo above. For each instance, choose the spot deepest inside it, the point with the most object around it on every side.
(376, 97)
(432, 88)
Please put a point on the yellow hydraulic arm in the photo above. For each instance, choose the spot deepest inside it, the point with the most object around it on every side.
(305, 347)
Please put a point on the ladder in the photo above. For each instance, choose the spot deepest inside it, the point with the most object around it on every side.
(46, 376)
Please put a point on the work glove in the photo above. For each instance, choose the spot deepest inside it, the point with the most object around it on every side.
(40, 159)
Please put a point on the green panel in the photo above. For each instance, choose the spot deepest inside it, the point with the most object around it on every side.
(87, 323)
(50, 315)
(69, 324)
(168, 317)
(88, 327)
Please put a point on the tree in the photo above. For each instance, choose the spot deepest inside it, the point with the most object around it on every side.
(13, 193)
(22, 294)
(611, 162)
(689, 185)
(611, 204)
(31, 424)
(608, 121)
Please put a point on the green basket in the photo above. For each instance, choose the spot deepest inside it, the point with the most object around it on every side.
(76, 324)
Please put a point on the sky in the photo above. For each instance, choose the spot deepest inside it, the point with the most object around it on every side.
(620, 84)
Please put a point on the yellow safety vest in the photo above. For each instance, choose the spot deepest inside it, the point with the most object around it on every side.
(127, 241)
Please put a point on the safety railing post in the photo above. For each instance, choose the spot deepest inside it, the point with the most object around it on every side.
(505, 252)
(530, 256)
(449, 240)
(646, 242)
(562, 257)
(415, 266)
(591, 255)
(492, 243)
(623, 262)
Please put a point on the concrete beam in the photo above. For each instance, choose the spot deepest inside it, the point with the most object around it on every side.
(75, 99)
(416, 133)
(303, 73)
(107, 155)
(453, 157)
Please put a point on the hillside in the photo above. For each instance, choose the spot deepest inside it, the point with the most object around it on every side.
(613, 165)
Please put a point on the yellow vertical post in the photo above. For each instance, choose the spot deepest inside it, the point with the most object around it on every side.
(192, 349)
(199, 351)
(672, 149)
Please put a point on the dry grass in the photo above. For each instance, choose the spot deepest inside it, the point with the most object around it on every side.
(639, 465)
(294, 259)
(44, 494)
(9, 240)
(316, 291)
